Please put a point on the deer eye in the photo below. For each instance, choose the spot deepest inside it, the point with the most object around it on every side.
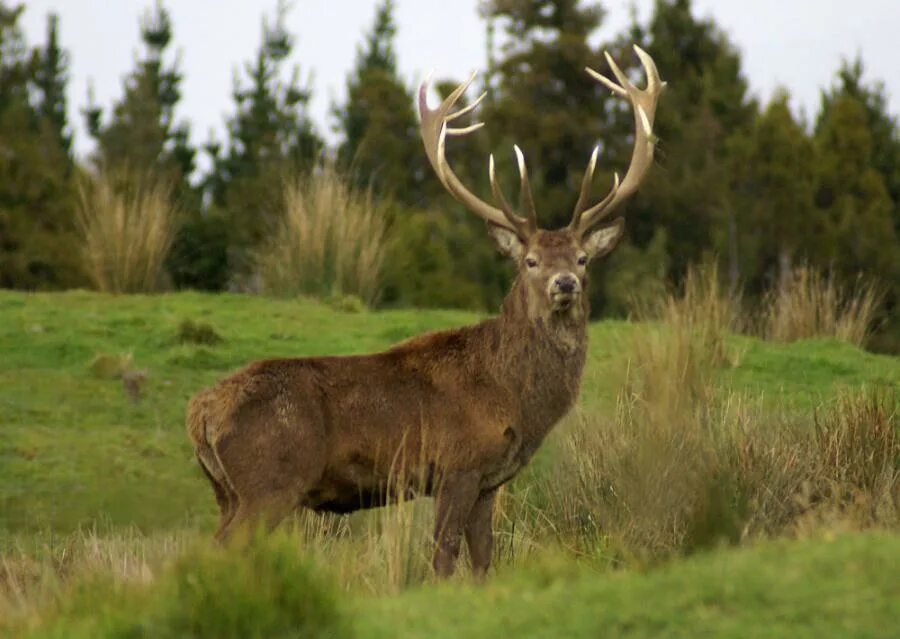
(530, 262)
(582, 260)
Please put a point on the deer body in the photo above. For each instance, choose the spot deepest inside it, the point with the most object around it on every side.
(339, 434)
(453, 414)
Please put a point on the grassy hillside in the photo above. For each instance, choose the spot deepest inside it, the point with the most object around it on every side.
(74, 450)
(105, 517)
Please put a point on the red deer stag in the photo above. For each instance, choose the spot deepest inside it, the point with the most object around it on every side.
(465, 409)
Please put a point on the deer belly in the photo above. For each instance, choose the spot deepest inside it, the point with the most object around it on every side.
(337, 495)
(360, 485)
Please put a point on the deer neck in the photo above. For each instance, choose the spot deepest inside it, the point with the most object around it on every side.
(540, 358)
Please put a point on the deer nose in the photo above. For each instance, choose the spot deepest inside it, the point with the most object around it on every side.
(566, 283)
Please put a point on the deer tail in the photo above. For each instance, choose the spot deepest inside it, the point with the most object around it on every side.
(197, 421)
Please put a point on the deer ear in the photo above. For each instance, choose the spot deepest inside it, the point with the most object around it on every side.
(507, 242)
(604, 239)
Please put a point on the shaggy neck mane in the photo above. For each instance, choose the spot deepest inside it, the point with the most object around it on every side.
(539, 358)
(561, 331)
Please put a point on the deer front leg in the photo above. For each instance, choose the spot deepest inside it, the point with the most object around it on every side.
(479, 536)
(453, 506)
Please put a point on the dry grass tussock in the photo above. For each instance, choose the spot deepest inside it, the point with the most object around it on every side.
(812, 304)
(636, 488)
(33, 573)
(330, 241)
(128, 223)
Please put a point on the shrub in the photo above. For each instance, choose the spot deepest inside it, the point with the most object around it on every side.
(633, 278)
(811, 304)
(268, 589)
(330, 241)
(199, 255)
(191, 332)
(128, 223)
(438, 261)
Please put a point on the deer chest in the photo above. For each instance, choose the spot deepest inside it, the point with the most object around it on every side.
(514, 458)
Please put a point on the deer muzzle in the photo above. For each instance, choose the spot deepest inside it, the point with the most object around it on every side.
(564, 289)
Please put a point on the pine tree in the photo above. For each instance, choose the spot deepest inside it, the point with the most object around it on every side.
(51, 79)
(542, 100)
(774, 180)
(885, 154)
(142, 134)
(855, 233)
(38, 246)
(880, 121)
(705, 105)
(14, 65)
(381, 145)
(270, 138)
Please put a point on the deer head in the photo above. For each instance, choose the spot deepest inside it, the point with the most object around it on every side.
(552, 264)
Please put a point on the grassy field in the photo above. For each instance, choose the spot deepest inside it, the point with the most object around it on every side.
(840, 588)
(85, 472)
(843, 586)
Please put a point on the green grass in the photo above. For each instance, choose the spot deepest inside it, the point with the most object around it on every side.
(842, 588)
(803, 372)
(74, 451)
(76, 454)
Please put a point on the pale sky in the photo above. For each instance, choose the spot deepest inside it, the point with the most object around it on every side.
(795, 43)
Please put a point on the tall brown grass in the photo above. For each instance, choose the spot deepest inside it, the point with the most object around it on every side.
(330, 241)
(128, 223)
(686, 336)
(33, 572)
(813, 304)
(645, 489)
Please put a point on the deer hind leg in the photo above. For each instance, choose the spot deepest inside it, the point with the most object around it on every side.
(479, 536)
(271, 464)
(453, 505)
(226, 500)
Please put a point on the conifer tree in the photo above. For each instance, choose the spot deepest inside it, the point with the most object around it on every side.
(774, 181)
(270, 138)
(885, 154)
(542, 99)
(142, 134)
(855, 232)
(51, 78)
(38, 246)
(381, 145)
(705, 105)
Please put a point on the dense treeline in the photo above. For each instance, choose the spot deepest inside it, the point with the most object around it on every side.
(749, 184)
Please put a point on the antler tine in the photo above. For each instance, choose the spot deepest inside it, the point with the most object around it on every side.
(643, 103)
(434, 130)
(585, 192)
(526, 200)
(654, 82)
(466, 109)
(496, 190)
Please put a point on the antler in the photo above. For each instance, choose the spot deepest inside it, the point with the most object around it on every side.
(435, 129)
(644, 104)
